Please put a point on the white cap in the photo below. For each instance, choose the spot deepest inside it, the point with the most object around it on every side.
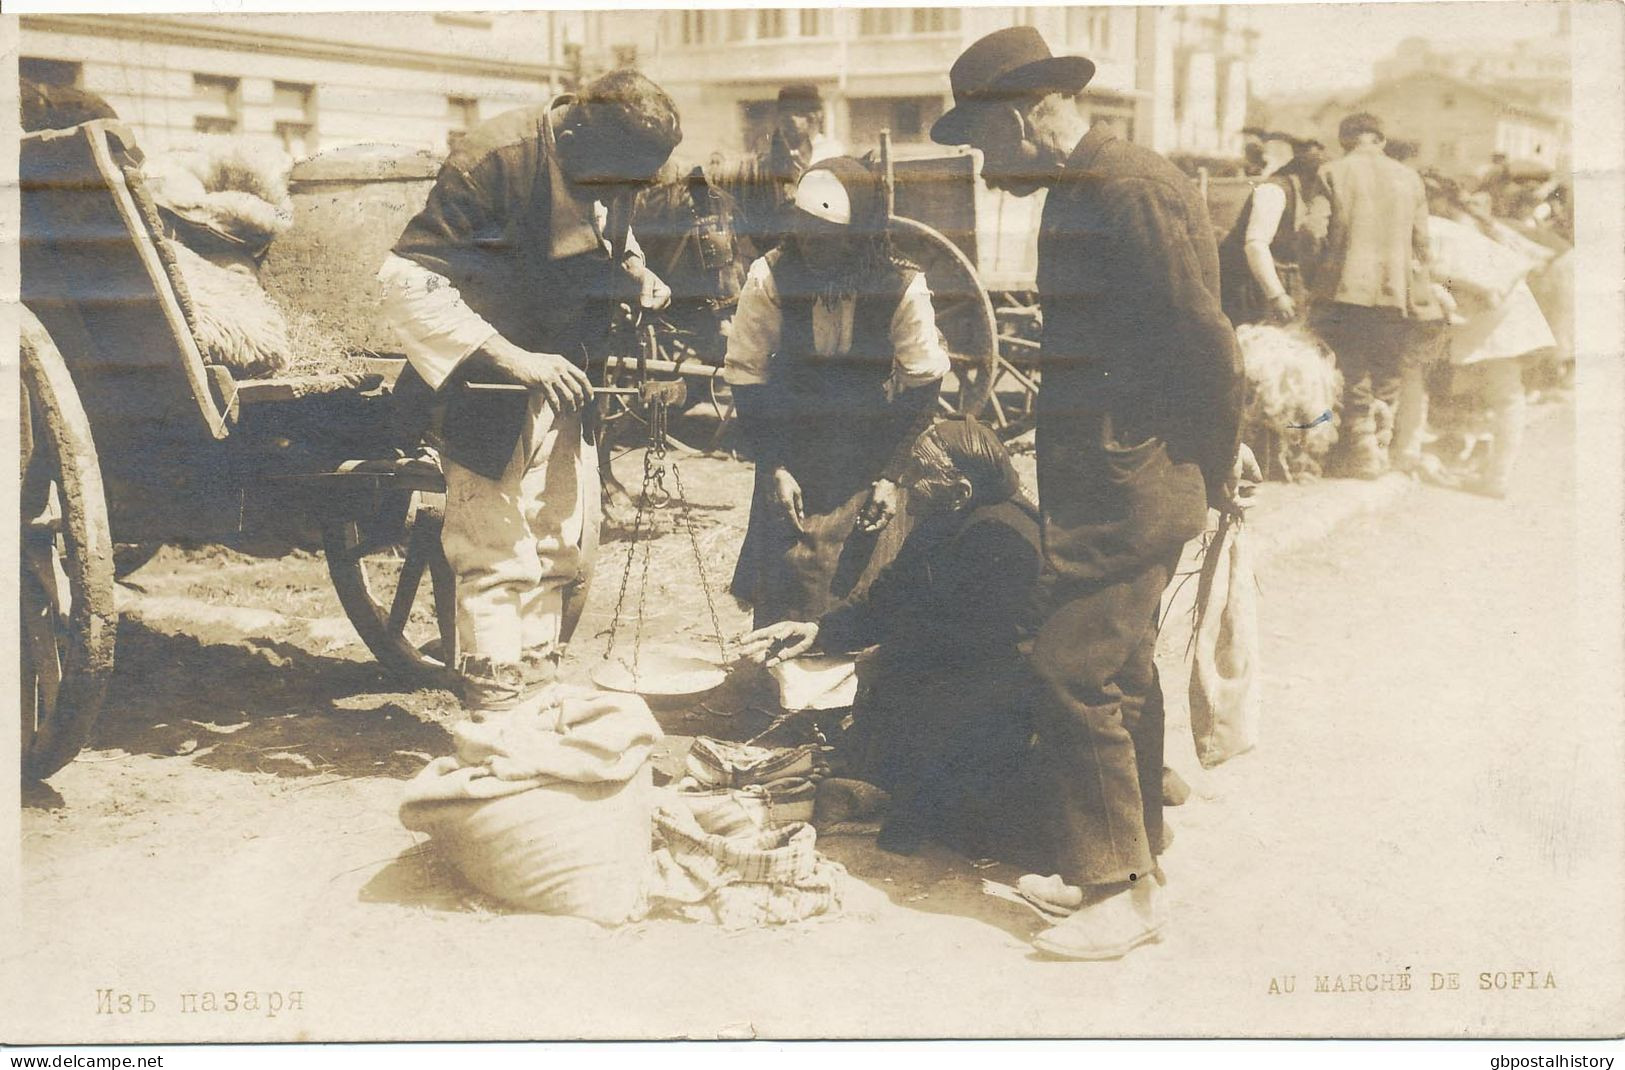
(821, 195)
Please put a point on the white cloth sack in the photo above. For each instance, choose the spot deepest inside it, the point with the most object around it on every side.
(548, 811)
(816, 682)
(1226, 695)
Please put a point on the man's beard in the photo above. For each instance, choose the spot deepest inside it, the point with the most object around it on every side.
(844, 277)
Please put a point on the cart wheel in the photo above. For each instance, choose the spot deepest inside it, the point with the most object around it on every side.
(1020, 321)
(69, 620)
(964, 314)
(378, 565)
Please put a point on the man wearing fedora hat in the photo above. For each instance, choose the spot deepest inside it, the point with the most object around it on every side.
(763, 185)
(1138, 432)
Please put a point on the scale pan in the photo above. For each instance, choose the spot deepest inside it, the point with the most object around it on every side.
(662, 673)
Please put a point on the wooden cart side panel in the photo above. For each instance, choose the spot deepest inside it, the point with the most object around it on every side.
(997, 231)
(92, 272)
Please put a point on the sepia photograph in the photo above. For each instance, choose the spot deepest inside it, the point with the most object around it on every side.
(806, 523)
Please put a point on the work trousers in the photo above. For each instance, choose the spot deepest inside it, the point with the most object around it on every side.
(518, 545)
(1372, 346)
(1101, 725)
(1118, 508)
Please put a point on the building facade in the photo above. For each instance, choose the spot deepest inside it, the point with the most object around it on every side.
(1457, 125)
(1537, 71)
(1171, 78)
(310, 81)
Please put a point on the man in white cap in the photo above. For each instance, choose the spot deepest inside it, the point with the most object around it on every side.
(835, 363)
(1138, 431)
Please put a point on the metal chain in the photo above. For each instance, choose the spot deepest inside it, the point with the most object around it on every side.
(626, 573)
(650, 474)
(654, 495)
(686, 517)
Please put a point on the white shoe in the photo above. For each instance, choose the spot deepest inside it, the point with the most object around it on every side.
(1051, 895)
(1110, 928)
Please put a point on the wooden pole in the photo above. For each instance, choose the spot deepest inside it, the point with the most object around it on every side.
(888, 178)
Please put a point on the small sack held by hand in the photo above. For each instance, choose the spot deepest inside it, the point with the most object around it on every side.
(1226, 685)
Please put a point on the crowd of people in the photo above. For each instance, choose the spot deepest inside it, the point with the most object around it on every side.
(991, 656)
(1425, 288)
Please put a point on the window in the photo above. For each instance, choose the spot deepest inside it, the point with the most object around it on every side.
(462, 115)
(813, 22)
(217, 103)
(1089, 28)
(934, 19)
(877, 21)
(908, 118)
(691, 27)
(890, 21)
(756, 119)
(770, 22)
(739, 25)
(293, 116)
(50, 71)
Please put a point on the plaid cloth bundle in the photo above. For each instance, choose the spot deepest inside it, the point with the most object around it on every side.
(718, 763)
(788, 775)
(761, 877)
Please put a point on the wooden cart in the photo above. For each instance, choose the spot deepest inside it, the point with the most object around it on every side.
(129, 436)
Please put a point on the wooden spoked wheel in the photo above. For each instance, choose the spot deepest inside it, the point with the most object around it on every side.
(379, 565)
(69, 621)
(1016, 392)
(964, 314)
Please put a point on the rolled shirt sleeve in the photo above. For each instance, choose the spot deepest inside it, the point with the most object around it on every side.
(754, 335)
(918, 354)
(436, 327)
(1269, 205)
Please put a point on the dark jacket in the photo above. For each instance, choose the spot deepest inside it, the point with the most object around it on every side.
(955, 597)
(1128, 278)
(523, 250)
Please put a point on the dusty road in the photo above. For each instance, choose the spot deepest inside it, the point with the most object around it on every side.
(1424, 802)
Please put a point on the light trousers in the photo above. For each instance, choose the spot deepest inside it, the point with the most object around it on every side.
(517, 545)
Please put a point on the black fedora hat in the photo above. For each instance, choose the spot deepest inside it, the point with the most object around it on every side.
(1006, 64)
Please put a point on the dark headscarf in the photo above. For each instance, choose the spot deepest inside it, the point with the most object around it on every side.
(963, 446)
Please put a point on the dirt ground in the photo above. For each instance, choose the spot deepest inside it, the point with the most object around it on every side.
(1420, 804)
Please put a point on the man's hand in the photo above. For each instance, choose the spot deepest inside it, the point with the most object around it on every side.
(653, 293)
(778, 642)
(1243, 482)
(881, 507)
(565, 386)
(787, 493)
(1282, 308)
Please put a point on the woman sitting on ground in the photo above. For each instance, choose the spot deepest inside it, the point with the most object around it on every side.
(941, 716)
